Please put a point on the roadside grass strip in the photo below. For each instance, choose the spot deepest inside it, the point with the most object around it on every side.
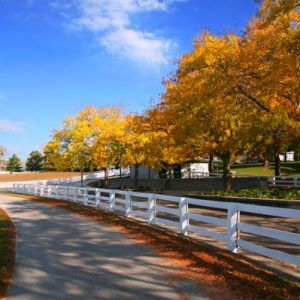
(7, 252)
(218, 272)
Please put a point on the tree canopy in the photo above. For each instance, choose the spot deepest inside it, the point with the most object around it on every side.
(230, 95)
(34, 161)
(13, 164)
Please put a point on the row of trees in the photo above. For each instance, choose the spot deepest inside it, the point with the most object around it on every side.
(34, 162)
(230, 95)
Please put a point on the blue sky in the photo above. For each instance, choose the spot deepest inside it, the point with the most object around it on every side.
(58, 56)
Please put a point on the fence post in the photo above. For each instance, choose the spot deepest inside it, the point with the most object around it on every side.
(75, 195)
(233, 218)
(39, 190)
(184, 219)
(65, 193)
(295, 182)
(56, 192)
(49, 191)
(43, 188)
(111, 201)
(151, 208)
(98, 196)
(127, 204)
(85, 197)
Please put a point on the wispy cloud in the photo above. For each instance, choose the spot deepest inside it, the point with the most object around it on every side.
(7, 126)
(111, 23)
(138, 46)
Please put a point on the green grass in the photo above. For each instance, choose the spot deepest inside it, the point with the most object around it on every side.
(287, 168)
(7, 257)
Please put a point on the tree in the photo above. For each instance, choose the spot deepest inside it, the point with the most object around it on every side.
(109, 133)
(91, 139)
(14, 164)
(79, 139)
(268, 76)
(55, 158)
(208, 117)
(34, 161)
(138, 145)
(2, 157)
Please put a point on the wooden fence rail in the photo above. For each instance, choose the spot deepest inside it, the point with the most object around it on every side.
(147, 206)
(285, 182)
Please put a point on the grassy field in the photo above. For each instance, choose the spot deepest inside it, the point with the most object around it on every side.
(36, 176)
(7, 252)
(287, 168)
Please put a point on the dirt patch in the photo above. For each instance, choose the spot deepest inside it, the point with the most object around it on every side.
(36, 176)
(221, 274)
(7, 252)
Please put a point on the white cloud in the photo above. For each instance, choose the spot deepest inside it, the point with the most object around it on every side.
(138, 46)
(7, 126)
(111, 22)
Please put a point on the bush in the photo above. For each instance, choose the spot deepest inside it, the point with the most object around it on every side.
(291, 194)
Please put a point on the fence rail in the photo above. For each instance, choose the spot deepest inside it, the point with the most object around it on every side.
(98, 175)
(179, 209)
(285, 181)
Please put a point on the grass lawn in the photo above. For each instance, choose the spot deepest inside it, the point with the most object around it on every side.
(7, 252)
(220, 273)
(287, 168)
(36, 176)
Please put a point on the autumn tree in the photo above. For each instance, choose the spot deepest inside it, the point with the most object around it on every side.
(267, 76)
(140, 146)
(55, 156)
(201, 99)
(79, 138)
(109, 133)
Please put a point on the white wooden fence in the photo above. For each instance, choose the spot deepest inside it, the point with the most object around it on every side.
(97, 175)
(285, 181)
(179, 209)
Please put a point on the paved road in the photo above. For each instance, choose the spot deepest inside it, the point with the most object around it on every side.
(60, 255)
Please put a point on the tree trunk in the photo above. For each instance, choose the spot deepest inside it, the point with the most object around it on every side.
(106, 177)
(211, 164)
(149, 173)
(265, 162)
(136, 175)
(277, 164)
(226, 171)
(120, 172)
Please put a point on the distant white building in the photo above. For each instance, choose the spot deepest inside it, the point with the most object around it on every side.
(195, 170)
(288, 156)
(191, 170)
(144, 173)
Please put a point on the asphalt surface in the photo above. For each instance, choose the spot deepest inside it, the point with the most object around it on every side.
(60, 255)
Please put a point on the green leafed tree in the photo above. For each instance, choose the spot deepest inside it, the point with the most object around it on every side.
(14, 164)
(35, 161)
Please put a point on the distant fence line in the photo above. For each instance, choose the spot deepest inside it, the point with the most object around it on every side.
(146, 206)
(273, 181)
(97, 175)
